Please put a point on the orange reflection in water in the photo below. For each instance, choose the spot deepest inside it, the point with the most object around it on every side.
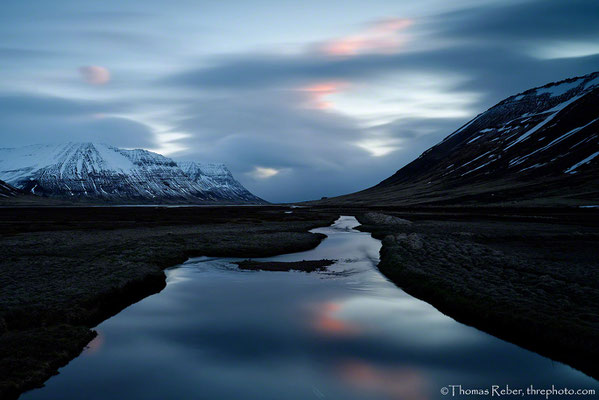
(327, 321)
(95, 345)
(397, 383)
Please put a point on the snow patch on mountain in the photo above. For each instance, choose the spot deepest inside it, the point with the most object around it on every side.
(572, 169)
(99, 171)
(554, 111)
(6, 190)
(559, 89)
(216, 178)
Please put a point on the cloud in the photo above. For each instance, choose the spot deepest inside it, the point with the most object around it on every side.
(316, 152)
(27, 119)
(348, 112)
(333, 110)
(565, 49)
(265, 128)
(263, 172)
(484, 43)
(484, 67)
(95, 74)
(318, 93)
(23, 105)
(274, 131)
(19, 54)
(408, 94)
(526, 21)
(381, 37)
(379, 147)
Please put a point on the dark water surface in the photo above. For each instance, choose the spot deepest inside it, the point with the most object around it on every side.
(216, 332)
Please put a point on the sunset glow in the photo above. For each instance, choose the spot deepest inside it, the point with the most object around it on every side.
(382, 37)
(317, 94)
(95, 74)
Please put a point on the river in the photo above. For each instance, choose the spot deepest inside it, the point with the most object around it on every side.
(216, 332)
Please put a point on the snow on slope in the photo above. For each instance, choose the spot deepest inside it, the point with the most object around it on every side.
(18, 164)
(99, 171)
(548, 129)
(541, 142)
(6, 190)
(216, 178)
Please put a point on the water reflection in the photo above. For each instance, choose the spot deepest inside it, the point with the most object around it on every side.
(327, 321)
(216, 332)
(396, 383)
(94, 346)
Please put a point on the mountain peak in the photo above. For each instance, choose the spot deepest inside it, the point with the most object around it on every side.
(96, 171)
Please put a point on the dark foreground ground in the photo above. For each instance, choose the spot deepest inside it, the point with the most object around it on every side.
(530, 276)
(64, 270)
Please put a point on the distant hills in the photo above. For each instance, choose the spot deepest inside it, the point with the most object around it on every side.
(539, 147)
(99, 172)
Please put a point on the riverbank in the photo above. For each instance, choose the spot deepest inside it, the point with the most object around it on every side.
(529, 277)
(535, 284)
(64, 270)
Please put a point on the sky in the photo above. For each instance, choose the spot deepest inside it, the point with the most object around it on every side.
(300, 99)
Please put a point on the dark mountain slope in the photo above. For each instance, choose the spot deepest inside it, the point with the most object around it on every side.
(539, 147)
(7, 191)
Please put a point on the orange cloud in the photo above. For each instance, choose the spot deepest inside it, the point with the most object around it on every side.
(318, 92)
(392, 24)
(94, 74)
(382, 37)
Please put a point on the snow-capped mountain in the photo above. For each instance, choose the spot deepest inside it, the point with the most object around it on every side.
(542, 143)
(217, 180)
(100, 172)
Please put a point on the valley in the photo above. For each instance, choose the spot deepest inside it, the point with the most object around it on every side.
(496, 227)
(272, 200)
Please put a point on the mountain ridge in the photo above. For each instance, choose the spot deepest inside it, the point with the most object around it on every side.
(538, 147)
(217, 179)
(87, 171)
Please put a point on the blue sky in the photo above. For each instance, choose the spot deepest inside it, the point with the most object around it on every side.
(300, 99)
